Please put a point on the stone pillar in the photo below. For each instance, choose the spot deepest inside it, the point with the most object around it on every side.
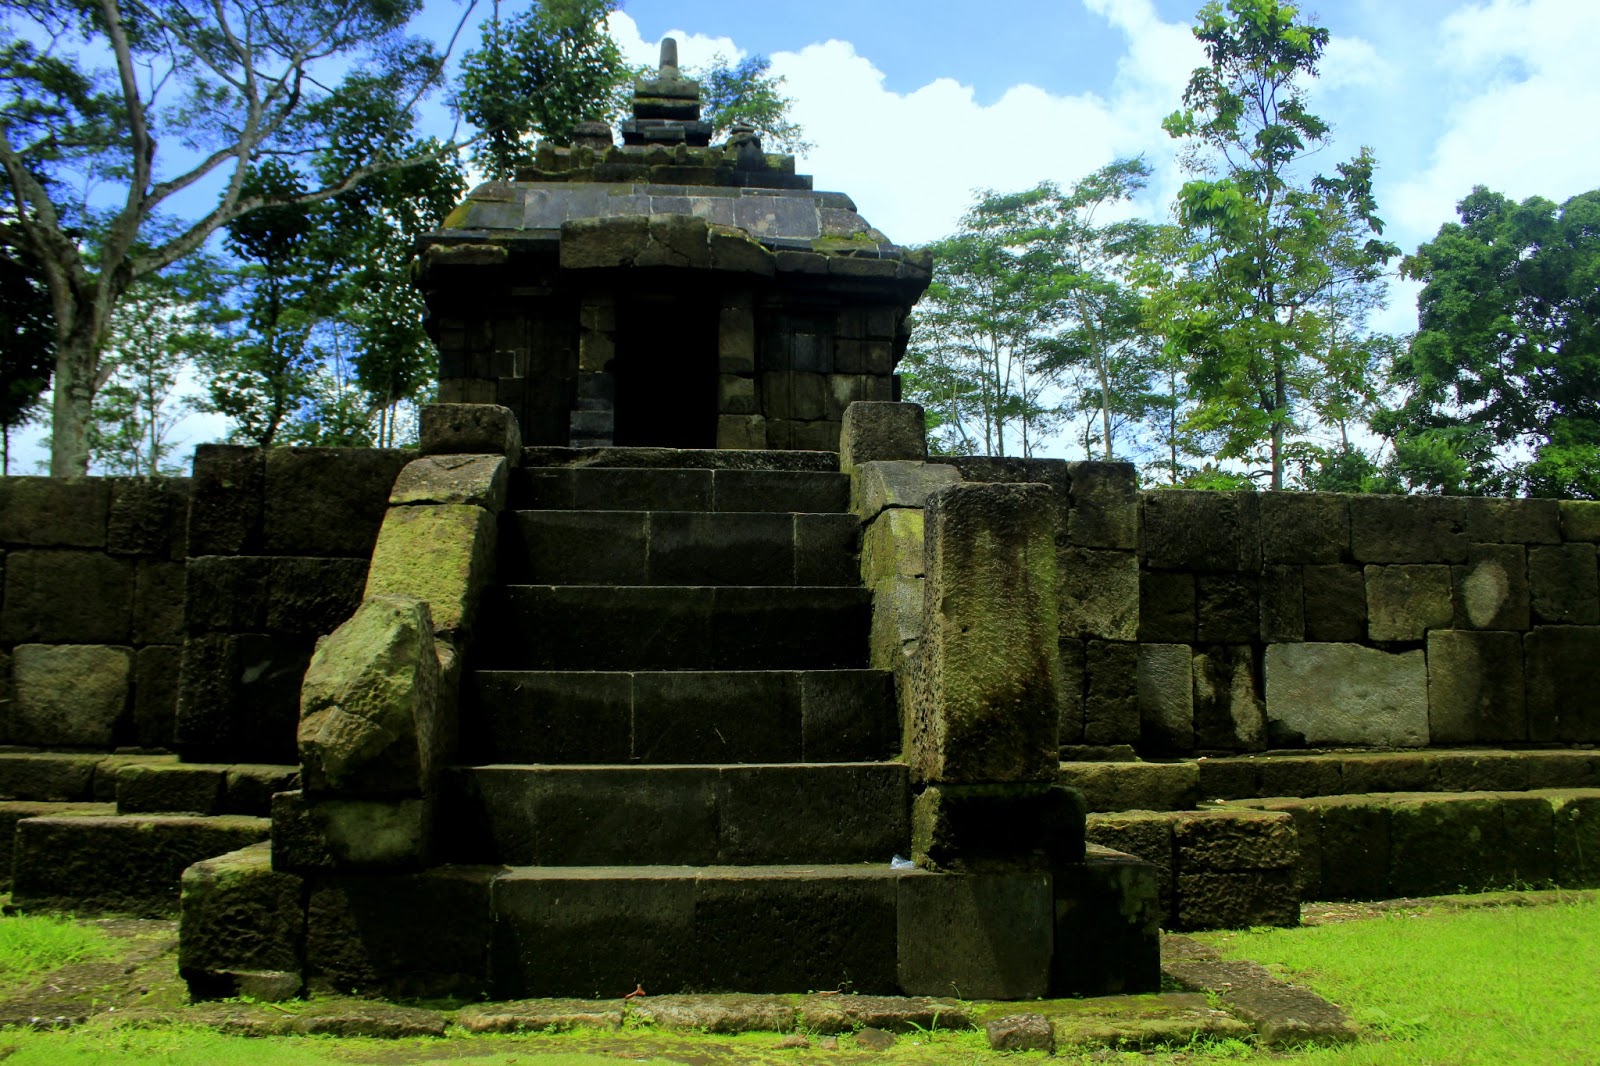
(983, 740)
(740, 421)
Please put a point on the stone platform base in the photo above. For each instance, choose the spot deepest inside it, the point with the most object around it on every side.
(598, 932)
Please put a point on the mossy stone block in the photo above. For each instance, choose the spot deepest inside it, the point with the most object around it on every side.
(442, 554)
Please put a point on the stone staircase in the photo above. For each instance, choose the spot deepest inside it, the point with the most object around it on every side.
(669, 717)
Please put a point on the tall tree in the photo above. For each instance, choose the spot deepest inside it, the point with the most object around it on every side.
(117, 114)
(156, 334)
(981, 358)
(1257, 314)
(540, 73)
(748, 93)
(27, 342)
(1502, 380)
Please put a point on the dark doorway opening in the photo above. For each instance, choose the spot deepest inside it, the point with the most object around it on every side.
(665, 369)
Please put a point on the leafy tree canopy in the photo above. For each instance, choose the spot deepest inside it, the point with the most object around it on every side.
(1502, 380)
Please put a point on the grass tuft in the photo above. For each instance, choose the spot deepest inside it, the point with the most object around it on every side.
(31, 945)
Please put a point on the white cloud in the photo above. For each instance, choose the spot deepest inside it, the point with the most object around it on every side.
(1351, 62)
(912, 160)
(1522, 98)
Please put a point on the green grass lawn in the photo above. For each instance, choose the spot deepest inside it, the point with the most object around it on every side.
(1437, 985)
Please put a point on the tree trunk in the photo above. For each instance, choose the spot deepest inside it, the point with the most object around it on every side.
(77, 358)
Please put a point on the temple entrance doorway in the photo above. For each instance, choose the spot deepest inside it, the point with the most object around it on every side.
(665, 370)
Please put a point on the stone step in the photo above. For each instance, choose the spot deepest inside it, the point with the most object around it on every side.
(1179, 784)
(680, 458)
(629, 488)
(725, 716)
(123, 864)
(1388, 845)
(679, 548)
(666, 627)
(14, 811)
(687, 814)
(601, 931)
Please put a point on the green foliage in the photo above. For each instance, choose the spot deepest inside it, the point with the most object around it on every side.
(31, 945)
(116, 116)
(1274, 287)
(27, 342)
(540, 73)
(1502, 381)
(748, 94)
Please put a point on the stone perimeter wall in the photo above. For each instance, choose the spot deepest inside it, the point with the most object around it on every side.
(91, 610)
(1217, 622)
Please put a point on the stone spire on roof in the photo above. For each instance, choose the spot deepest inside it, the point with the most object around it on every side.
(666, 108)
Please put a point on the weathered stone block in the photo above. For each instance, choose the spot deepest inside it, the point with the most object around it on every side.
(1475, 690)
(158, 602)
(1408, 529)
(310, 835)
(1502, 521)
(185, 788)
(882, 432)
(250, 787)
(891, 546)
(1073, 679)
(1107, 935)
(1146, 834)
(1353, 840)
(53, 777)
(1166, 606)
(148, 516)
(1562, 769)
(239, 696)
(1111, 693)
(877, 486)
(975, 828)
(1228, 778)
(470, 429)
(1450, 844)
(69, 694)
(1203, 531)
(1347, 694)
(440, 553)
(1491, 590)
(1228, 715)
(1477, 771)
(1134, 786)
(1105, 505)
(239, 917)
(1208, 900)
(1336, 603)
(1166, 697)
(736, 341)
(1099, 593)
(327, 501)
(1562, 584)
(227, 496)
(67, 597)
(369, 707)
(312, 596)
(478, 480)
(1405, 602)
(1305, 527)
(896, 632)
(1299, 775)
(1580, 520)
(54, 512)
(1226, 608)
(988, 688)
(998, 935)
(1576, 819)
(1283, 605)
(744, 432)
(736, 395)
(227, 594)
(385, 934)
(1235, 840)
(127, 864)
(155, 694)
(1562, 670)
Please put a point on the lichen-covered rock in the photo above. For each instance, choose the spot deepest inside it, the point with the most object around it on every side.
(240, 919)
(1347, 694)
(442, 554)
(69, 694)
(470, 429)
(479, 480)
(882, 431)
(986, 706)
(369, 705)
(877, 486)
(1021, 1032)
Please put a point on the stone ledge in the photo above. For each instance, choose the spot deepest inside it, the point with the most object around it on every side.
(1284, 1015)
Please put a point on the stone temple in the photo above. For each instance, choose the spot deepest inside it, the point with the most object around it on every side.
(670, 657)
